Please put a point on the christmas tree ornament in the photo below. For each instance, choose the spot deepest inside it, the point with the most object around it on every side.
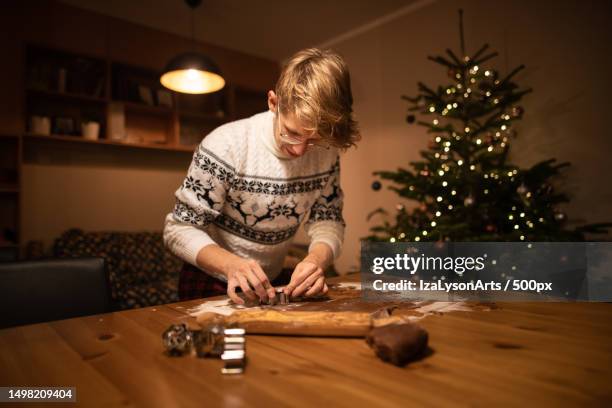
(410, 118)
(469, 201)
(490, 228)
(517, 112)
(376, 185)
(522, 189)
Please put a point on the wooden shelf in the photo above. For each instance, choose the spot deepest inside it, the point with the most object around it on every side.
(9, 188)
(144, 108)
(8, 245)
(107, 142)
(209, 117)
(67, 95)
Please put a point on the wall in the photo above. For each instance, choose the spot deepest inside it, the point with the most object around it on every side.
(565, 46)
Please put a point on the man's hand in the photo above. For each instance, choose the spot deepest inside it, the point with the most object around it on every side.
(248, 275)
(240, 272)
(307, 280)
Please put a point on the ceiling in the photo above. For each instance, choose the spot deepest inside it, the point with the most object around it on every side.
(272, 29)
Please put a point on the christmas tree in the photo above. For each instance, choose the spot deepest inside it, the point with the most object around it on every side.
(466, 187)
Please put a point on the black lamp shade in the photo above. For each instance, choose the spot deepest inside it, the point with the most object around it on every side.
(192, 73)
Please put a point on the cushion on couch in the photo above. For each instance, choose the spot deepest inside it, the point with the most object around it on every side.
(142, 272)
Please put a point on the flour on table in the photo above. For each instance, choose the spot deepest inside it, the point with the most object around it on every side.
(223, 307)
(350, 285)
(438, 307)
(226, 307)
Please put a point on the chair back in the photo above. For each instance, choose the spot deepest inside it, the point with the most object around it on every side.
(45, 290)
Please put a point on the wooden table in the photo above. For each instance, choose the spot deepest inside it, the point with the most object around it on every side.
(540, 354)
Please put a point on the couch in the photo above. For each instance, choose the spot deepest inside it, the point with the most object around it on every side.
(141, 271)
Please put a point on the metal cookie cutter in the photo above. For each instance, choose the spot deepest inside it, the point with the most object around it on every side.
(234, 351)
(208, 342)
(283, 299)
(177, 339)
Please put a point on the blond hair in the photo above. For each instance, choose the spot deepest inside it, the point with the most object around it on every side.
(315, 86)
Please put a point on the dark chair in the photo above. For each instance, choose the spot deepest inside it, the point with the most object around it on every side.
(41, 291)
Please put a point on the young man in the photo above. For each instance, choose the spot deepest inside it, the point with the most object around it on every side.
(253, 181)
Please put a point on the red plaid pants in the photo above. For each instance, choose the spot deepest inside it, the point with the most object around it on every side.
(195, 283)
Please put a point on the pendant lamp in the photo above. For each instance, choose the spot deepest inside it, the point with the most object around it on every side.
(191, 72)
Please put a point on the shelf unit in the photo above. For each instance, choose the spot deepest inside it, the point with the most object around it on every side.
(128, 103)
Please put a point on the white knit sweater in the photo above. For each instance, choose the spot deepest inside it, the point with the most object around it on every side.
(242, 193)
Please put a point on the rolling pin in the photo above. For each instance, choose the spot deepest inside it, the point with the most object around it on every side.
(304, 323)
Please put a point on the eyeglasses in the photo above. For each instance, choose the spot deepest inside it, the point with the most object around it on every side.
(298, 140)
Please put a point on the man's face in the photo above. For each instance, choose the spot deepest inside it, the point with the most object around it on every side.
(289, 126)
(289, 133)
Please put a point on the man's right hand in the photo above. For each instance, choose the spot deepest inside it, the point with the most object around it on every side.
(248, 275)
(240, 272)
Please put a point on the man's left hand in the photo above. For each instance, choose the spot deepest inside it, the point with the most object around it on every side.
(307, 280)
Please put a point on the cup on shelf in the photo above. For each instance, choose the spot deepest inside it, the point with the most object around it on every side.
(40, 125)
(91, 130)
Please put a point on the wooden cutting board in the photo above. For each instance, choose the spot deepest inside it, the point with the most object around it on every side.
(340, 314)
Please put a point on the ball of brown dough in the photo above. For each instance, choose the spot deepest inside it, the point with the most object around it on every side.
(398, 343)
